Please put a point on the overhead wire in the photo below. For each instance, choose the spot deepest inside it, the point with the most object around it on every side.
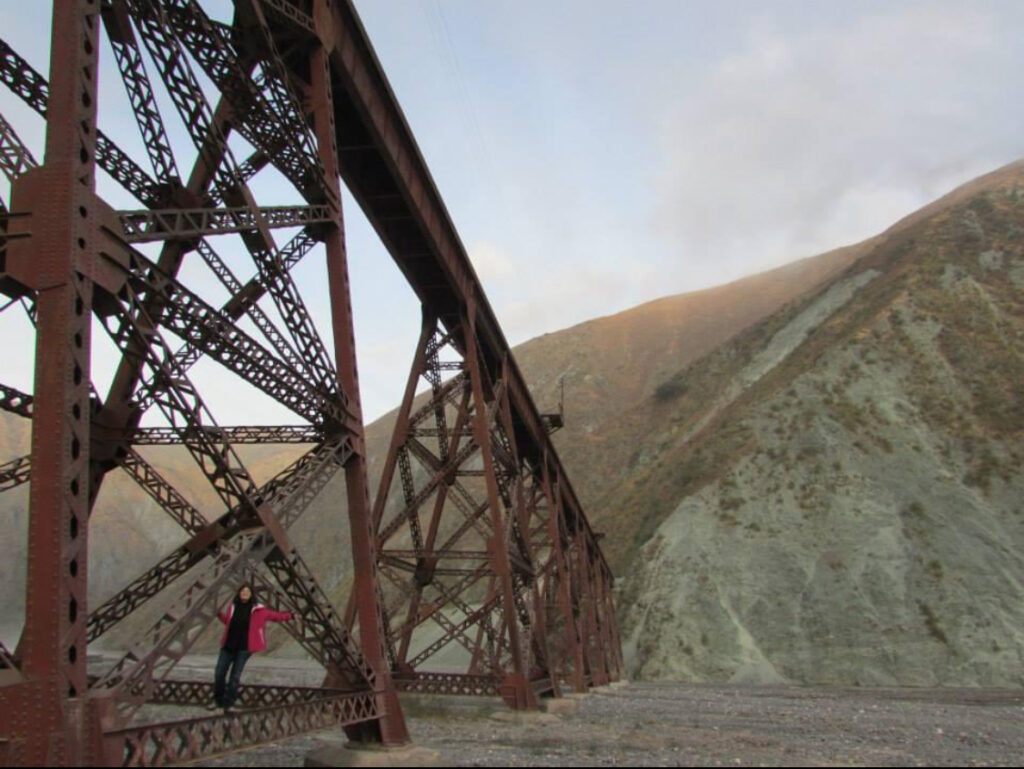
(489, 181)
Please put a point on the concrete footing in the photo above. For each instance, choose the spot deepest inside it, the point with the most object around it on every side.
(525, 717)
(561, 706)
(351, 754)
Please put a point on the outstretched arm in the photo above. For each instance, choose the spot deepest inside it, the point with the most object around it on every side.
(279, 616)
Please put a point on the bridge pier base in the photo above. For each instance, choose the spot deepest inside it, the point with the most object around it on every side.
(361, 755)
(560, 706)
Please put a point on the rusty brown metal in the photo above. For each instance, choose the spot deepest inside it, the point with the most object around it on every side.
(47, 712)
(489, 594)
(390, 729)
(475, 530)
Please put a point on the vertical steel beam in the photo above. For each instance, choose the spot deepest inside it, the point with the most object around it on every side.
(539, 665)
(564, 573)
(608, 612)
(46, 717)
(594, 643)
(601, 605)
(389, 729)
(515, 689)
(580, 605)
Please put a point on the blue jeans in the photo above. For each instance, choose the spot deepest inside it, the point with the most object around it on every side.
(225, 695)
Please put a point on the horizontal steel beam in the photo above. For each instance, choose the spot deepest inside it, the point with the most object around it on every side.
(184, 224)
(447, 683)
(236, 435)
(475, 555)
(181, 692)
(180, 742)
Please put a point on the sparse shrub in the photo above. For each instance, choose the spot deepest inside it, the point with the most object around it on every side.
(883, 443)
(981, 205)
(834, 561)
(914, 510)
(732, 503)
(728, 519)
(670, 390)
(982, 470)
(932, 623)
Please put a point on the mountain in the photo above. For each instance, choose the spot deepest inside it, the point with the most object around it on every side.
(837, 492)
(808, 475)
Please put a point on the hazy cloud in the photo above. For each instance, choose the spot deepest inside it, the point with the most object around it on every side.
(595, 155)
(809, 138)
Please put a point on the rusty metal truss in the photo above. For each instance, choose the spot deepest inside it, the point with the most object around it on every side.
(475, 570)
(491, 571)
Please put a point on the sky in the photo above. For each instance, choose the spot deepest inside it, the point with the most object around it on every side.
(597, 155)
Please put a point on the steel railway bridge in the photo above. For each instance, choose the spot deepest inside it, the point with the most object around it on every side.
(474, 539)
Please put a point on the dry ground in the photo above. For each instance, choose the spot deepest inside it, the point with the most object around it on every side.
(703, 725)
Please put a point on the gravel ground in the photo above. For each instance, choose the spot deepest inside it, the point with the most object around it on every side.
(703, 725)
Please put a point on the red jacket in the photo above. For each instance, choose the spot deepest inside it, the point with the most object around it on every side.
(258, 620)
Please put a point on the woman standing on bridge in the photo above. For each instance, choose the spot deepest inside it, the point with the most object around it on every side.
(244, 634)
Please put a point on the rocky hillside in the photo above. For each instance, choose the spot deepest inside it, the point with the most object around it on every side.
(838, 491)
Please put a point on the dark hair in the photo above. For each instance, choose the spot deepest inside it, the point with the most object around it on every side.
(243, 586)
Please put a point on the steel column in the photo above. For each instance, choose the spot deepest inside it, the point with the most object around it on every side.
(389, 729)
(505, 554)
(515, 688)
(556, 528)
(48, 719)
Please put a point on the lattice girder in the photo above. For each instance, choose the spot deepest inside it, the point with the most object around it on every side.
(481, 540)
